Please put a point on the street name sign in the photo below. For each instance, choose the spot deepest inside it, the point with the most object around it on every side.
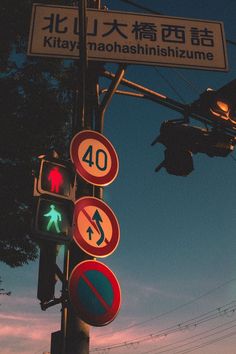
(95, 227)
(94, 157)
(129, 38)
(94, 293)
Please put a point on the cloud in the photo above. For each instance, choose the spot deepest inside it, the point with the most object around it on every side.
(28, 328)
(18, 300)
(26, 332)
(23, 333)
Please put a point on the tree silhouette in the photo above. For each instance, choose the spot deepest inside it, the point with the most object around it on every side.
(36, 100)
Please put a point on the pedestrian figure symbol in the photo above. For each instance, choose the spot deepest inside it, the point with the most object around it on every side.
(56, 179)
(55, 217)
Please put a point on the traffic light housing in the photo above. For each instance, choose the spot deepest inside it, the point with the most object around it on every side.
(56, 178)
(47, 272)
(182, 141)
(54, 187)
(218, 106)
(177, 162)
(53, 219)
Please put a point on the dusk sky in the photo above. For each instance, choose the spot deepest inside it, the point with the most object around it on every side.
(176, 260)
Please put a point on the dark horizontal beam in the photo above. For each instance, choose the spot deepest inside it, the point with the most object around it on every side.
(184, 109)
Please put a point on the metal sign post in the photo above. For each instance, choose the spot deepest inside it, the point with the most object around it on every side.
(76, 331)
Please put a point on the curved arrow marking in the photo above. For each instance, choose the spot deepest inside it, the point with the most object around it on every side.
(97, 218)
(95, 221)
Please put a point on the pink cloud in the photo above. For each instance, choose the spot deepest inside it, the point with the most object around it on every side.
(23, 333)
(27, 326)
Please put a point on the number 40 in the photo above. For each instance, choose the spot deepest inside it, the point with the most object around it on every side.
(100, 158)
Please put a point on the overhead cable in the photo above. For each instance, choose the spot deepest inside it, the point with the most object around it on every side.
(138, 6)
(191, 323)
(196, 338)
(158, 316)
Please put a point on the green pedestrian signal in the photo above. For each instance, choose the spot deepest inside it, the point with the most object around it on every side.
(53, 219)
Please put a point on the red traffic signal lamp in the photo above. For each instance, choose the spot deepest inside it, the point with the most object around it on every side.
(55, 178)
(53, 219)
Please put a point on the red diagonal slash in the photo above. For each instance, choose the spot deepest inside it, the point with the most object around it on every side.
(93, 223)
(96, 293)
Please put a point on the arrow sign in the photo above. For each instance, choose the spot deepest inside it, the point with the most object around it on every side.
(98, 220)
(95, 227)
(90, 232)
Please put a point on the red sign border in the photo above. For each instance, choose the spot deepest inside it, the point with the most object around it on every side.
(74, 147)
(76, 273)
(115, 237)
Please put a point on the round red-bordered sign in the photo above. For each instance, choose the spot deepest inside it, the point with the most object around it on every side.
(94, 293)
(94, 157)
(95, 227)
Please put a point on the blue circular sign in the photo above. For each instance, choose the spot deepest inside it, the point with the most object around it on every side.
(94, 292)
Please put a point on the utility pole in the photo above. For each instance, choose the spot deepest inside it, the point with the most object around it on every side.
(88, 114)
(76, 331)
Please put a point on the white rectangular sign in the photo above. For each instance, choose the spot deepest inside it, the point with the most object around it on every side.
(128, 38)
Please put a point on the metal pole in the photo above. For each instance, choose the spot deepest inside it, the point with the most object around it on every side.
(64, 309)
(111, 91)
(83, 60)
(77, 331)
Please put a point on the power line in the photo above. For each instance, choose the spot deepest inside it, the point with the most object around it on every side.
(197, 90)
(207, 343)
(133, 3)
(157, 317)
(199, 336)
(170, 84)
(230, 41)
(191, 323)
(138, 6)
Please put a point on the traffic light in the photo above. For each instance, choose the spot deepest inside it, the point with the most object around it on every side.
(182, 141)
(54, 187)
(47, 272)
(55, 178)
(218, 106)
(53, 219)
(177, 162)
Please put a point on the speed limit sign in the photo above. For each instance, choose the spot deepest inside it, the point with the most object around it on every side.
(94, 157)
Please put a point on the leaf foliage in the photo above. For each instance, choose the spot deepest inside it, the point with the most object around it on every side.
(36, 100)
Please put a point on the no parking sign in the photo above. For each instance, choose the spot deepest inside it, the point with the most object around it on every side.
(94, 293)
